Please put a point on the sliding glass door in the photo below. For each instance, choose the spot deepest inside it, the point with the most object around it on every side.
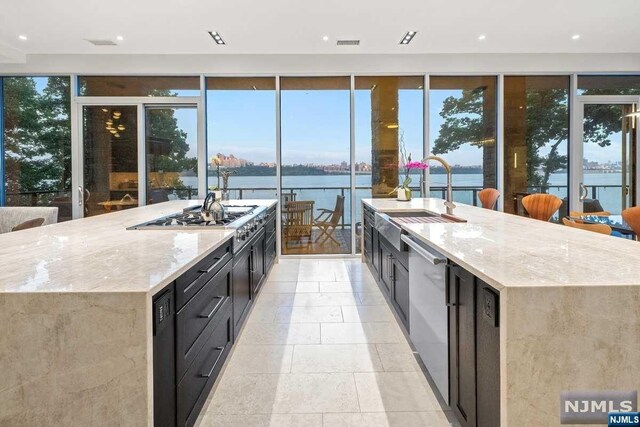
(136, 154)
(606, 179)
(109, 159)
(315, 165)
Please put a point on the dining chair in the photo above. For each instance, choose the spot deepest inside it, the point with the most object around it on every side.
(632, 217)
(577, 214)
(328, 221)
(596, 228)
(541, 206)
(489, 197)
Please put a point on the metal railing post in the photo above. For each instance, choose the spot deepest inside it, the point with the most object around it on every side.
(343, 209)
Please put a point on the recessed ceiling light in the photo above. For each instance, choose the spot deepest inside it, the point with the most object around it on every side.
(482, 37)
(408, 36)
(325, 38)
(23, 37)
(216, 37)
(119, 38)
(575, 37)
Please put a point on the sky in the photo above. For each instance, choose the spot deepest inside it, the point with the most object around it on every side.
(315, 125)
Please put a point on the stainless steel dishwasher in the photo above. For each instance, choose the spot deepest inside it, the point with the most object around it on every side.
(428, 318)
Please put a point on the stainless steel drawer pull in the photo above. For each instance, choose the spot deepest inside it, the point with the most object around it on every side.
(208, 374)
(215, 308)
(210, 269)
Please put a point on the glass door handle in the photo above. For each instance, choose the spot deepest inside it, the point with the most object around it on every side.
(584, 192)
(80, 195)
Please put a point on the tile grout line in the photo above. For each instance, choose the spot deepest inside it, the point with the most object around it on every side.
(355, 385)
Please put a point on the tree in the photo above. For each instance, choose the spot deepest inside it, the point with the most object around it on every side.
(546, 127)
(37, 136)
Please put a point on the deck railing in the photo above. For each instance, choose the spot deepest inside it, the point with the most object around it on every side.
(465, 194)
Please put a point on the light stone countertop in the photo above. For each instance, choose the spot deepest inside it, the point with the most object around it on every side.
(98, 254)
(507, 250)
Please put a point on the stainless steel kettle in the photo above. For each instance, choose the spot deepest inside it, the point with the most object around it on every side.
(212, 209)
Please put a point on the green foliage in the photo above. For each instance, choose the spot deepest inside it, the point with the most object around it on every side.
(547, 127)
(37, 135)
(163, 126)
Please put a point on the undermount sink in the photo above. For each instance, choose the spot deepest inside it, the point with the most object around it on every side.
(389, 224)
(422, 217)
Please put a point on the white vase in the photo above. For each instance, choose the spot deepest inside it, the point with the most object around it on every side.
(403, 194)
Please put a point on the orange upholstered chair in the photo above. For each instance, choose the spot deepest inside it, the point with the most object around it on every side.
(596, 228)
(632, 217)
(489, 197)
(541, 206)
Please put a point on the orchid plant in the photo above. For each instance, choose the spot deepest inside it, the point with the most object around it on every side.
(407, 165)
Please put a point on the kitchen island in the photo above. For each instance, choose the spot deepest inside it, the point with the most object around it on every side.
(569, 303)
(76, 347)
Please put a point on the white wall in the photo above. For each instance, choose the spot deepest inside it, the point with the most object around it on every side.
(323, 64)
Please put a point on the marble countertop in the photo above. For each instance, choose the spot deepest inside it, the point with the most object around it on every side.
(507, 250)
(98, 254)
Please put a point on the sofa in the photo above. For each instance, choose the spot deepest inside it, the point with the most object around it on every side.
(14, 215)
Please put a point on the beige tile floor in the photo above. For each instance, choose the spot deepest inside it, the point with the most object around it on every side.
(321, 347)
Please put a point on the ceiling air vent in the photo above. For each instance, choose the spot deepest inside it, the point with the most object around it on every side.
(102, 42)
(348, 42)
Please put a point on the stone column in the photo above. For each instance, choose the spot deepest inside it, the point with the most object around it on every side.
(384, 136)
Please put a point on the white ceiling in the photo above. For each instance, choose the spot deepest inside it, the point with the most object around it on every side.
(297, 26)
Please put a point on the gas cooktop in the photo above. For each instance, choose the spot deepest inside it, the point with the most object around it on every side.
(190, 217)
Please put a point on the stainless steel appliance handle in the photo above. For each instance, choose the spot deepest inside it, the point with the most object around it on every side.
(423, 253)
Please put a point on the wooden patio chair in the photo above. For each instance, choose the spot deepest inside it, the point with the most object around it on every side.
(328, 220)
(297, 220)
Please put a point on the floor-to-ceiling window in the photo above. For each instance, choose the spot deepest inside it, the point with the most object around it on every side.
(171, 153)
(316, 165)
(462, 130)
(389, 113)
(241, 136)
(37, 142)
(536, 139)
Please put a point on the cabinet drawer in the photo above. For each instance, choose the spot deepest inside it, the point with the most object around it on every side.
(193, 280)
(193, 389)
(198, 317)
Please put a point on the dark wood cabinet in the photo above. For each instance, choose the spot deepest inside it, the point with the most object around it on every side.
(242, 276)
(196, 319)
(462, 354)
(386, 266)
(487, 355)
(394, 275)
(375, 255)
(400, 296)
(257, 264)
(164, 378)
(474, 350)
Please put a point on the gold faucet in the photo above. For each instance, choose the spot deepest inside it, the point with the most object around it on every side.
(449, 202)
